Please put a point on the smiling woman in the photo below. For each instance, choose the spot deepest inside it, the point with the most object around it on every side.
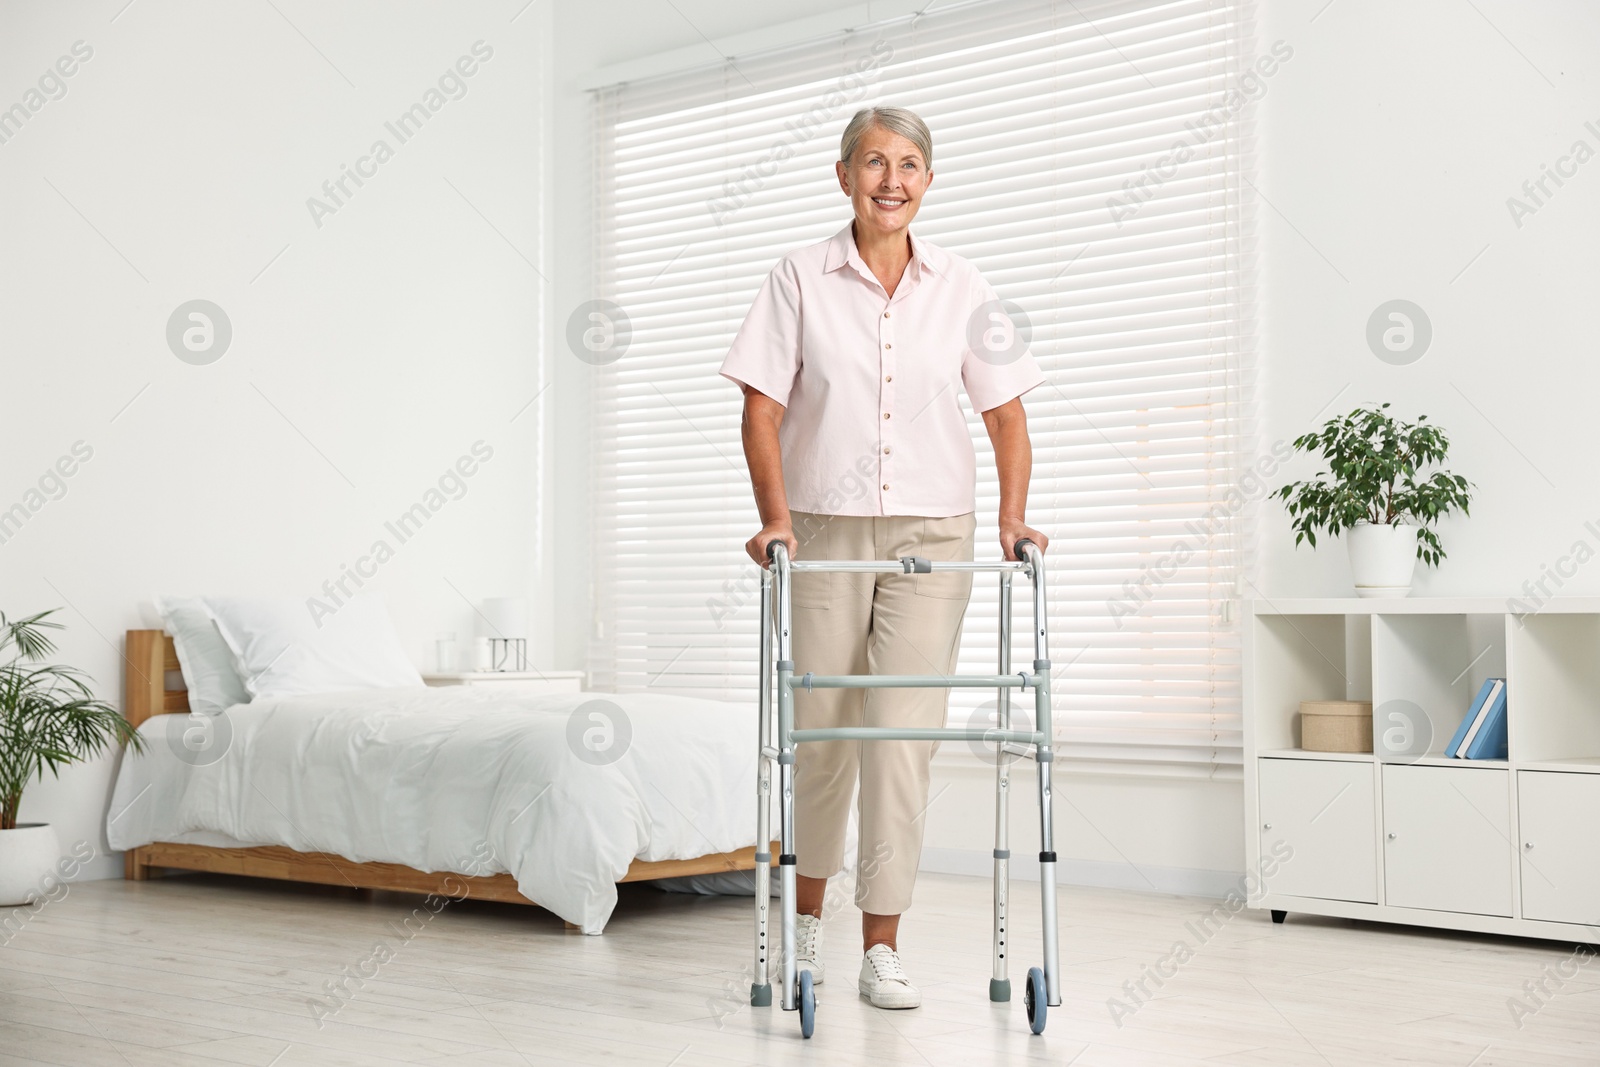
(859, 345)
(885, 167)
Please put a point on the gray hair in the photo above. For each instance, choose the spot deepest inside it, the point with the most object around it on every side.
(896, 120)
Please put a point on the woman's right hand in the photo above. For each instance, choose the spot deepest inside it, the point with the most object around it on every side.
(772, 531)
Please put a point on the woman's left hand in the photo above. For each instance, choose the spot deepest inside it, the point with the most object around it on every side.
(1014, 530)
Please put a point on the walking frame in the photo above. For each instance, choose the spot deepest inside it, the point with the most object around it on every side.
(778, 682)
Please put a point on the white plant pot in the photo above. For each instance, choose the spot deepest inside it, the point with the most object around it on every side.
(28, 858)
(1382, 558)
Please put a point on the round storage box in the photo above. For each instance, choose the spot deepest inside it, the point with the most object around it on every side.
(1336, 725)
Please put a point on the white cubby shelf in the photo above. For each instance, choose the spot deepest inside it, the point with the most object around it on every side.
(1405, 833)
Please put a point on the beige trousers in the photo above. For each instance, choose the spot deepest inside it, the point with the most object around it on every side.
(872, 624)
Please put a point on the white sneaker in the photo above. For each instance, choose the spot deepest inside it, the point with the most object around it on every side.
(808, 946)
(884, 981)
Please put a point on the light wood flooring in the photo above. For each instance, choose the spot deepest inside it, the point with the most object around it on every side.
(197, 971)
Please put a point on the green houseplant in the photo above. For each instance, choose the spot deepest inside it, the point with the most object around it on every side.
(48, 719)
(1376, 489)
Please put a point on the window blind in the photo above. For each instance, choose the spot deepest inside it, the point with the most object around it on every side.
(1056, 173)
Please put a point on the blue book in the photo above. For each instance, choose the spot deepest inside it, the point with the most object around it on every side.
(1466, 723)
(1464, 751)
(1491, 740)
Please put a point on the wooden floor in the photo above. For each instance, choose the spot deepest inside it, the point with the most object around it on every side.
(203, 970)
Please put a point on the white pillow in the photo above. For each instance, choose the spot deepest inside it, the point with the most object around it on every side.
(283, 650)
(209, 672)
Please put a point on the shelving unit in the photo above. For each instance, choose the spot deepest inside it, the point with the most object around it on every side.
(1406, 834)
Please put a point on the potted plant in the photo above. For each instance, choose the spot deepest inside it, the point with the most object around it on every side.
(1379, 494)
(48, 718)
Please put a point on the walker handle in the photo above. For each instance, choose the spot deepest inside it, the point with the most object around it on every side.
(772, 548)
(1016, 550)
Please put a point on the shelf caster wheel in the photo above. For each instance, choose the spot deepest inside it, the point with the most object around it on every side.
(1035, 999)
(808, 1005)
(1279, 916)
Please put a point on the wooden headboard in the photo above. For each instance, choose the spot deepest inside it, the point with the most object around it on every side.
(148, 656)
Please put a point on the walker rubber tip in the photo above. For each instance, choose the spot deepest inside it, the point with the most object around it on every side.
(1000, 990)
(761, 996)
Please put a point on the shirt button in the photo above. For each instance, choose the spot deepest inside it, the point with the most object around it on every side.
(886, 345)
(888, 377)
(886, 485)
(885, 314)
(886, 414)
(886, 451)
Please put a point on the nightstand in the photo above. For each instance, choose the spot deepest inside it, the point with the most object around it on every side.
(522, 682)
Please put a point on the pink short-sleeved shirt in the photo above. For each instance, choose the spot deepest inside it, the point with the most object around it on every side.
(873, 423)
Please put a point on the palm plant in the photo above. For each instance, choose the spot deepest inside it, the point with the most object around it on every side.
(48, 716)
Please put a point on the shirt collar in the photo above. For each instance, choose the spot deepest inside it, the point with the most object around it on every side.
(842, 249)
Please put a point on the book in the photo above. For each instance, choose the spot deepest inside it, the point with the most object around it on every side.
(1491, 740)
(1478, 704)
(1478, 720)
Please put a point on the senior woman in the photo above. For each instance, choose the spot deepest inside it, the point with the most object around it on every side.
(851, 359)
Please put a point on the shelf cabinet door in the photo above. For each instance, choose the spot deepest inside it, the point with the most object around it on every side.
(1558, 814)
(1323, 810)
(1447, 839)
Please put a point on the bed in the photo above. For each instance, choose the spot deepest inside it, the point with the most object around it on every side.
(461, 792)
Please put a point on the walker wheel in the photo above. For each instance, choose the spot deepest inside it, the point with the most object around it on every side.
(808, 1005)
(1034, 999)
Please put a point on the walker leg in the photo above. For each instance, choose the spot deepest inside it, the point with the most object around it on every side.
(1047, 853)
(791, 999)
(786, 857)
(999, 979)
(1047, 887)
(999, 983)
(1046, 760)
(760, 982)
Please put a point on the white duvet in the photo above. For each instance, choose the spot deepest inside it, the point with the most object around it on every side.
(459, 779)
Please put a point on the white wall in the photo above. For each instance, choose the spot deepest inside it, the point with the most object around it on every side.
(1389, 146)
(370, 354)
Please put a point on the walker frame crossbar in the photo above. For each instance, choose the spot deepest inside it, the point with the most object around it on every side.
(778, 684)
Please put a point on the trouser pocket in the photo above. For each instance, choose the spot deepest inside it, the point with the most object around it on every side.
(948, 539)
(811, 590)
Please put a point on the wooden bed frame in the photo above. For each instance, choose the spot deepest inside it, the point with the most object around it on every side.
(150, 654)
